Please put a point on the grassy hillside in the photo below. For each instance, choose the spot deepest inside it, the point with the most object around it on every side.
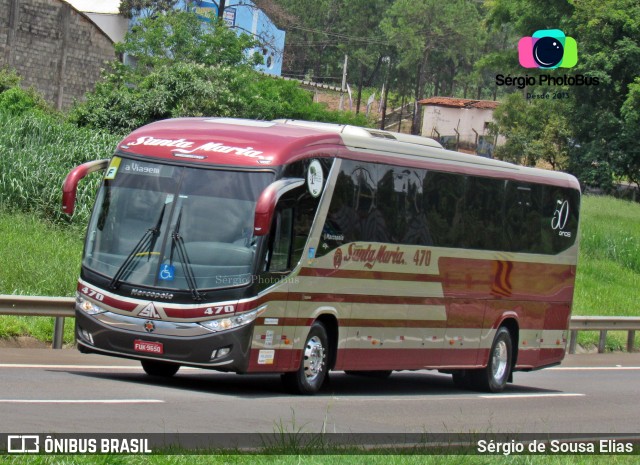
(608, 280)
(36, 153)
(37, 258)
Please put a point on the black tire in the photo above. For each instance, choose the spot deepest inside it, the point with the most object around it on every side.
(312, 374)
(378, 374)
(494, 377)
(162, 369)
(460, 379)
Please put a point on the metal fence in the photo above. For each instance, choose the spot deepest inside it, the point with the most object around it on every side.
(63, 307)
(57, 307)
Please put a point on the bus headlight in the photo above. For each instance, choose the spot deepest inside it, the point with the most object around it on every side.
(87, 306)
(223, 324)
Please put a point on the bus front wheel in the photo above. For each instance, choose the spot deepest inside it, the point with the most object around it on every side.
(162, 369)
(311, 375)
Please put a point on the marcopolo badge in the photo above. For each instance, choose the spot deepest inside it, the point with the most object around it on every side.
(315, 178)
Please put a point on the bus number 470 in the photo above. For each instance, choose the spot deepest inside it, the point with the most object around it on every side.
(91, 293)
(219, 309)
(422, 257)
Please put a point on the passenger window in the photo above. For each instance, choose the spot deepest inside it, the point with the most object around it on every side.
(281, 248)
(443, 202)
(483, 214)
(290, 229)
(523, 217)
(305, 212)
(559, 218)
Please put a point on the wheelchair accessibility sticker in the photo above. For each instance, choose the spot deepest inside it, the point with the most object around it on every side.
(167, 272)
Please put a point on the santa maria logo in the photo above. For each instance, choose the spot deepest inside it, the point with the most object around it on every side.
(149, 311)
(184, 147)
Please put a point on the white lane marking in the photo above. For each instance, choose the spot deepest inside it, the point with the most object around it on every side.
(83, 367)
(462, 397)
(532, 396)
(592, 368)
(81, 401)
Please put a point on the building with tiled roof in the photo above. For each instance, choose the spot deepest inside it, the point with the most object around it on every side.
(459, 123)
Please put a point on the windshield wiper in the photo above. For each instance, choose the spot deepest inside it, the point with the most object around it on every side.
(177, 243)
(147, 242)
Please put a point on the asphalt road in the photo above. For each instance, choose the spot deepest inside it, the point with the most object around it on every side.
(43, 391)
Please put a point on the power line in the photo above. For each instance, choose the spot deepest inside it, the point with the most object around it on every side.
(340, 36)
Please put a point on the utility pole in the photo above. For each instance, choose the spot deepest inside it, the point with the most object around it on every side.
(221, 8)
(343, 88)
(385, 92)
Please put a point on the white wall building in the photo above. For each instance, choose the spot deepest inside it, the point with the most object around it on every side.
(459, 123)
(106, 15)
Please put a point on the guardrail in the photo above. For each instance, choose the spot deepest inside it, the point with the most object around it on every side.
(603, 324)
(57, 307)
(63, 307)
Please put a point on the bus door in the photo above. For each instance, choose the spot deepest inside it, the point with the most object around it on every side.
(295, 295)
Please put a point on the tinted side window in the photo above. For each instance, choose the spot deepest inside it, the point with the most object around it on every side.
(417, 229)
(281, 236)
(304, 213)
(368, 202)
(383, 203)
(483, 214)
(354, 214)
(290, 229)
(560, 209)
(523, 217)
(443, 204)
(341, 225)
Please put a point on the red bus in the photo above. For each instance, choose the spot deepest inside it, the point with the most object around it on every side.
(298, 248)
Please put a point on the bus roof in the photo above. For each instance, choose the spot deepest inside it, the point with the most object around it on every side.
(249, 143)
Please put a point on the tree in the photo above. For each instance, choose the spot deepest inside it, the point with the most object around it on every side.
(425, 31)
(601, 120)
(314, 35)
(608, 34)
(130, 8)
(184, 67)
(535, 131)
(180, 36)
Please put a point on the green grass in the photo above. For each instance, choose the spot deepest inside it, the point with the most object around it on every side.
(608, 278)
(36, 153)
(38, 258)
(315, 459)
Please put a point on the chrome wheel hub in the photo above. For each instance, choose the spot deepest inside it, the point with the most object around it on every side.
(313, 358)
(499, 360)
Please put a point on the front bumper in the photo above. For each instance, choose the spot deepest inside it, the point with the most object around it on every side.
(95, 336)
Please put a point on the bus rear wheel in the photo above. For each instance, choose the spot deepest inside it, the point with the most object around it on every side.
(311, 375)
(494, 377)
(161, 369)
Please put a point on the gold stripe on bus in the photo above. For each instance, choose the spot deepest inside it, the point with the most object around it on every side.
(368, 287)
(405, 312)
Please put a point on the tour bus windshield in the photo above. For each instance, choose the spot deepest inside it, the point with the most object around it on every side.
(174, 227)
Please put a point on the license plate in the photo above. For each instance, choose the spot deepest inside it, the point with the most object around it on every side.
(148, 347)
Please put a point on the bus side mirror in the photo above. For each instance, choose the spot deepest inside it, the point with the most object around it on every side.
(70, 185)
(266, 204)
